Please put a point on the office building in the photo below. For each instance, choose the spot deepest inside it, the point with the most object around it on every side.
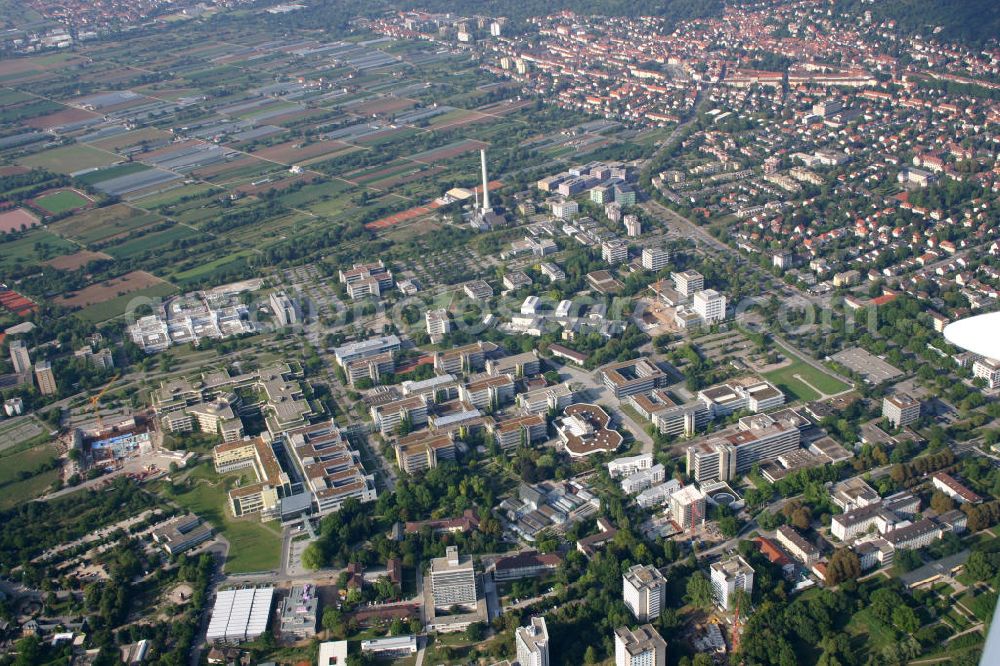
(614, 251)
(365, 349)
(297, 619)
(438, 323)
(45, 379)
(853, 493)
(548, 398)
(20, 358)
(332, 653)
(391, 416)
(532, 643)
(644, 590)
(635, 376)
(516, 431)
(710, 305)
(642, 647)
(453, 581)
(758, 438)
(395, 647)
(688, 282)
(466, 359)
(182, 533)
(372, 279)
(728, 576)
(526, 564)
(552, 271)
(900, 410)
(422, 451)
(629, 465)
(286, 310)
(687, 507)
(655, 258)
(331, 470)
(641, 480)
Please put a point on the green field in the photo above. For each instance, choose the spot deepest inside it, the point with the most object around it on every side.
(253, 545)
(218, 266)
(32, 248)
(112, 172)
(14, 491)
(62, 201)
(118, 306)
(788, 380)
(70, 159)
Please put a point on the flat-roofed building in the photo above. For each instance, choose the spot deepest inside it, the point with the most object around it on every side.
(853, 493)
(548, 398)
(688, 283)
(687, 506)
(635, 376)
(644, 590)
(264, 496)
(728, 576)
(286, 310)
(330, 467)
(585, 429)
(20, 358)
(440, 388)
(758, 438)
(710, 305)
(643, 479)
(462, 360)
(900, 410)
(655, 258)
(453, 580)
(395, 647)
(532, 643)
(488, 393)
(614, 251)
(239, 615)
(516, 365)
(640, 647)
(332, 653)
(365, 349)
(513, 432)
(297, 616)
(478, 290)
(182, 533)
(422, 451)
(658, 495)
(45, 378)
(628, 465)
(371, 368)
(987, 369)
(552, 271)
(438, 323)
(372, 279)
(390, 416)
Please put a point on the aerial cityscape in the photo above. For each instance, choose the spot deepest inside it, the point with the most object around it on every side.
(419, 333)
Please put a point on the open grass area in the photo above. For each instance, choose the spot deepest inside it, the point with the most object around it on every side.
(205, 270)
(70, 159)
(62, 201)
(801, 381)
(13, 489)
(254, 546)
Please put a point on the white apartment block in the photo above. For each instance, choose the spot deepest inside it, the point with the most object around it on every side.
(286, 310)
(437, 322)
(633, 227)
(643, 479)
(759, 438)
(644, 590)
(565, 209)
(688, 282)
(687, 506)
(642, 647)
(900, 410)
(628, 465)
(655, 258)
(532, 643)
(614, 251)
(728, 576)
(453, 580)
(710, 305)
(989, 370)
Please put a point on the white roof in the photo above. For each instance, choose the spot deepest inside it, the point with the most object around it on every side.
(976, 334)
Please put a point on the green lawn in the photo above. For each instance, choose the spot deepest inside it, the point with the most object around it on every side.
(62, 201)
(253, 546)
(13, 491)
(786, 380)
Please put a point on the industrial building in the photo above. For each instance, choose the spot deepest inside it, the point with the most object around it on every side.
(239, 615)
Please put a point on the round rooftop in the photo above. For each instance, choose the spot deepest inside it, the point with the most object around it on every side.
(979, 334)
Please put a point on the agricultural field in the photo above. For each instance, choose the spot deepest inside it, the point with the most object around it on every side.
(103, 224)
(105, 291)
(33, 247)
(70, 159)
(16, 220)
(77, 260)
(119, 305)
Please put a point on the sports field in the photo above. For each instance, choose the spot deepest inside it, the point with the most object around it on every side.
(61, 201)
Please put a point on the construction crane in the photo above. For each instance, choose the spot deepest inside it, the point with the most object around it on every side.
(737, 627)
(97, 398)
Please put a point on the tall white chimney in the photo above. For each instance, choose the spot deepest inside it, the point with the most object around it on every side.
(486, 182)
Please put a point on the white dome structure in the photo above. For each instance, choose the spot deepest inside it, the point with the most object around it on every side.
(979, 334)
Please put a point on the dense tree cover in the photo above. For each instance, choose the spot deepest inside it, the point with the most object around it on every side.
(973, 21)
(31, 528)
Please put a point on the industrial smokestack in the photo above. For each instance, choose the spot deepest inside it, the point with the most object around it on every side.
(486, 183)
